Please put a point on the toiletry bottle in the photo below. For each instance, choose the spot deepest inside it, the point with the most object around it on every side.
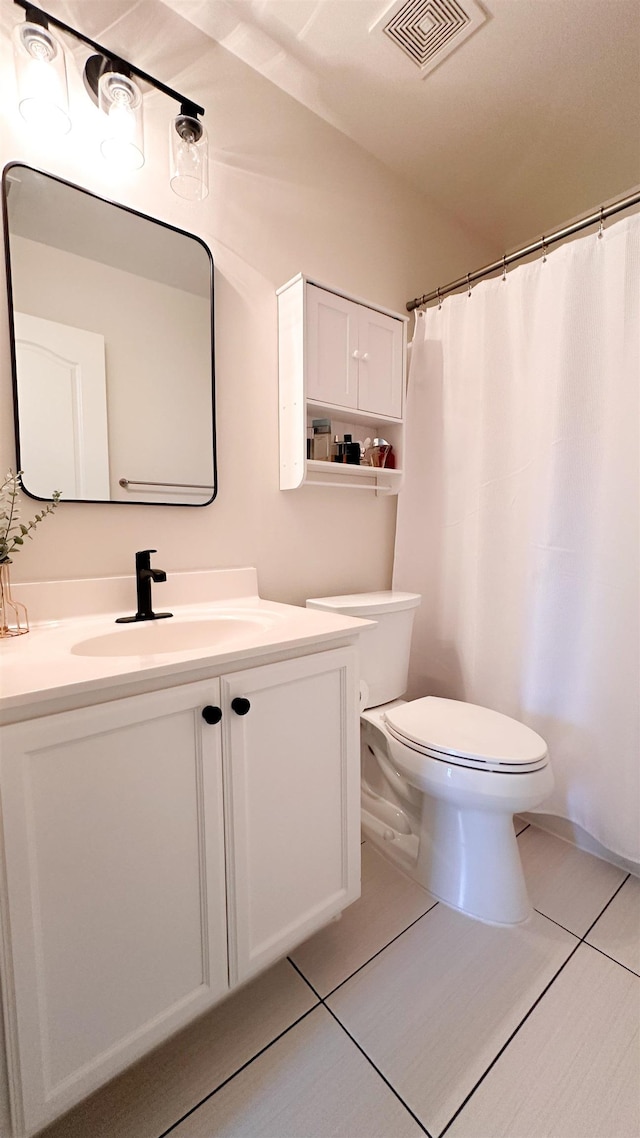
(321, 439)
(351, 451)
(380, 453)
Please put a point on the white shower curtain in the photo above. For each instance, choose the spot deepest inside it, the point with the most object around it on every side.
(519, 519)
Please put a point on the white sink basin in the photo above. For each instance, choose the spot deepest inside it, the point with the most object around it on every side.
(159, 637)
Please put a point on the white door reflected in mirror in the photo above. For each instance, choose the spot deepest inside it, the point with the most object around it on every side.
(63, 409)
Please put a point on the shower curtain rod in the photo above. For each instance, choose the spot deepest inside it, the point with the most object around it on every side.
(600, 216)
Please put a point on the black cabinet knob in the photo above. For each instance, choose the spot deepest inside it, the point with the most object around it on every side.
(240, 705)
(211, 714)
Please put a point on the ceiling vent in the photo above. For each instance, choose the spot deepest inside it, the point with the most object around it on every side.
(427, 31)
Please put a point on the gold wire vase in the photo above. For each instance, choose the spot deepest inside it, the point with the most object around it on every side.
(14, 620)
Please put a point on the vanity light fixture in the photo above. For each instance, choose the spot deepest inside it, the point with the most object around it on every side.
(114, 86)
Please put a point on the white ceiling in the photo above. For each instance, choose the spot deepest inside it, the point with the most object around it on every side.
(533, 120)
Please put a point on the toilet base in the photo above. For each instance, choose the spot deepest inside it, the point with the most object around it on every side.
(470, 860)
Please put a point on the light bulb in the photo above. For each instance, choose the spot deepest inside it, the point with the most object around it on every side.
(42, 78)
(121, 101)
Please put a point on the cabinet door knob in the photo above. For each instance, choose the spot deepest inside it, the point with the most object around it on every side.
(240, 705)
(356, 354)
(364, 356)
(211, 714)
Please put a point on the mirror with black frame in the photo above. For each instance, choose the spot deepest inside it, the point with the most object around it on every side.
(112, 348)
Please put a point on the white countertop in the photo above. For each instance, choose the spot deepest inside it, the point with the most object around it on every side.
(56, 658)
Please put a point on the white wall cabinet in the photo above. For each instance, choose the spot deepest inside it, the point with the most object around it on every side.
(126, 913)
(355, 355)
(343, 359)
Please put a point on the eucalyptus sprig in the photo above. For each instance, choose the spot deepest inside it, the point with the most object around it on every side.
(12, 530)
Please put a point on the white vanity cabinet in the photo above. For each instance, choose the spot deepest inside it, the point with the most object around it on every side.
(343, 359)
(126, 912)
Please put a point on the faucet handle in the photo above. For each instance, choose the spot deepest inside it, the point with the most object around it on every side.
(143, 558)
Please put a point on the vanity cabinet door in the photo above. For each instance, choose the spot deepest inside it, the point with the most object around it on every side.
(292, 781)
(114, 922)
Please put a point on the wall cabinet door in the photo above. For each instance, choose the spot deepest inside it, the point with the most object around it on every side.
(292, 796)
(115, 905)
(380, 375)
(332, 348)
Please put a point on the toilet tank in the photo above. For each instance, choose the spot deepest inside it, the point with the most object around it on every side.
(384, 650)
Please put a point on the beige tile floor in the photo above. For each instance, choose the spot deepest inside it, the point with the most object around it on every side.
(406, 1018)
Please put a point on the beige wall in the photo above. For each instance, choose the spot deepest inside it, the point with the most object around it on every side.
(289, 193)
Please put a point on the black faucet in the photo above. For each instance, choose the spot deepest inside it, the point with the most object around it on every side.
(144, 576)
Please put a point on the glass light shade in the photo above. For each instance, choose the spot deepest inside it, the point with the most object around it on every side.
(189, 158)
(42, 78)
(121, 101)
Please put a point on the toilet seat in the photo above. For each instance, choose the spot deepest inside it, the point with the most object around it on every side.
(466, 735)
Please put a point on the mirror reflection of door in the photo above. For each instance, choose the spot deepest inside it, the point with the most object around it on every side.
(63, 409)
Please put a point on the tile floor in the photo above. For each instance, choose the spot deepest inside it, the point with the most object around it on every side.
(405, 1018)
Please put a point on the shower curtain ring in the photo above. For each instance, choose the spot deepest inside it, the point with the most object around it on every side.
(601, 226)
(504, 266)
(544, 250)
(439, 298)
(468, 284)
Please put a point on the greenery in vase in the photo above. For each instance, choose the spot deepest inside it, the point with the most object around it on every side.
(12, 530)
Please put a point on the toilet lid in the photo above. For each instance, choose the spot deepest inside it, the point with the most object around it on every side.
(466, 731)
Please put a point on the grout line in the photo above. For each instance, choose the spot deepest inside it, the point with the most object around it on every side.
(557, 923)
(613, 960)
(354, 1041)
(224, 1082)
(303, 977)
(377, 1070)
(581, 941)
(583, 936)
(612, 898)
(508, 1041)
(385, 946)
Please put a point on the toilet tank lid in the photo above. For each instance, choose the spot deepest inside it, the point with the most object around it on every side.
(367, 604)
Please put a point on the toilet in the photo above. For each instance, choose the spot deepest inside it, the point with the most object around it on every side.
(441, 779)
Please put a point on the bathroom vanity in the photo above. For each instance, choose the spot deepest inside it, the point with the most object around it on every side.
(180, 807)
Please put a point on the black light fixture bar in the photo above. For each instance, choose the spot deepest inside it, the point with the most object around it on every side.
(188, 107)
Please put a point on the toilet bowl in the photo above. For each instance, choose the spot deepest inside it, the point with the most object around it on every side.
(441, 779)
